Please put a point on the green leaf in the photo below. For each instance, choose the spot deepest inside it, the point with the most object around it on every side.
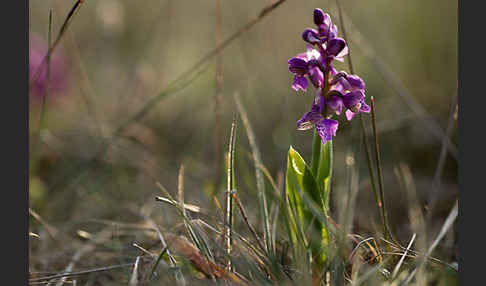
(300, 183)
(324, 173)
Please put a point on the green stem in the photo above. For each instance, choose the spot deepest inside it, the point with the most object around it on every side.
(316, 152)
(316, 145)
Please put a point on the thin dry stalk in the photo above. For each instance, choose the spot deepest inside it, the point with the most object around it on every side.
(436, 184)
(384, 213)
(245, 218)
(228, 218)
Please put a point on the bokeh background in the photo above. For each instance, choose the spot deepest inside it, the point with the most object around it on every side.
(119, 54)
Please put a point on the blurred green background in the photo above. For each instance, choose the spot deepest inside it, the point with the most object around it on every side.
(122, 53)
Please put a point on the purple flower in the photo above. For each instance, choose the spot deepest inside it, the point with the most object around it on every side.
(351, 89)
(326, 128)
(342, 90)
(342, 81)
(363, 108)
(311, 36)
(326, 30)
(306, 64)
(335, 102)
(38, 69)
(336, 49)
(300, 82)
(352, 100)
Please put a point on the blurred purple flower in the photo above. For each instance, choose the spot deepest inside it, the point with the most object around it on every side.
(38, 69)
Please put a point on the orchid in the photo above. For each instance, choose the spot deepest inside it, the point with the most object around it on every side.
(335, 90)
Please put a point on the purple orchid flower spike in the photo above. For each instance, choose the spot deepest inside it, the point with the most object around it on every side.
(335, 90)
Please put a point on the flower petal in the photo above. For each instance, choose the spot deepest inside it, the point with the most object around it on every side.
(312, 53)
(326, 128)
(355, 81)
(349, 114)
(311, 36)
(316, 76)
(298, 66)
(319, 16)
(325, 26)
(337, 47)
(333, 31)
(308, 120)
(342, 53)
(335, 103)
(352, 99)
(300, 82)
(364, 107)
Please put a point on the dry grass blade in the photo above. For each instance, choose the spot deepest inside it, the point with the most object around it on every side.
(367, 275)
(445, 227)
(397, 267)
(258, 173)
(156, 263)
(134, 278)
(228, 218)
(144, 250)
(187, 207)
(172, 261)
(384, 214)
(83, 272)
(180, 190)
(415, 213)
(31, 234)
(441, 162)
(181, 245)
(101, 237)
(52, 231)
(245, 218)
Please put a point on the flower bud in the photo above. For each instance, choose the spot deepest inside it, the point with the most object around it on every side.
(318, 16)
(311, 36)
